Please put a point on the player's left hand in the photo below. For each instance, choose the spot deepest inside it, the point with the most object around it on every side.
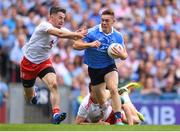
(95, 44)
(119, 51)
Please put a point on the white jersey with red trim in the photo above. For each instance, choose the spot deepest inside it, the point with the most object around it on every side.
(92, 112)
(38, 48)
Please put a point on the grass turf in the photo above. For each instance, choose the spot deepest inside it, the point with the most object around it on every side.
(70, 127)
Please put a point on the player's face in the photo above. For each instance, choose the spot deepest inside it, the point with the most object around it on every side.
(106, 23)
(58, 19)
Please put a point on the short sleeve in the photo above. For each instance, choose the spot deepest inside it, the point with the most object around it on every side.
(45, 26)
(120, 39)
(82, 112)
(89, 37)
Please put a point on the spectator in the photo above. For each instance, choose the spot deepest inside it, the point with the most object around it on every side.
(149, 87)
(95, 16)
(6, 44)
(16, 55)
(3, 91)
(169, 87)
(62, 70)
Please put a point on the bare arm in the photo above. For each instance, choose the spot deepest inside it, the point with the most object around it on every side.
(81, 121)
(65, 34)
(80, 45)
(98, 123)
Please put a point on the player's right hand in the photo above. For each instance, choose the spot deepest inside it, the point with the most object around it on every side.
(95, 44)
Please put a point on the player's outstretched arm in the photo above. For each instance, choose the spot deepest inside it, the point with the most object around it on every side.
(64, 33)
(81, 121)
(80, 45)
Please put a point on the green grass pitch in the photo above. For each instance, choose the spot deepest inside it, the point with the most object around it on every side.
(71, 127)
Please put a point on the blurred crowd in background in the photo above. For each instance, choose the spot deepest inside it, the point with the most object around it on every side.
(151, 30)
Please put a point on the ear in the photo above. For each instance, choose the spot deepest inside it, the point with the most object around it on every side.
(52, 16)
(49, 16)
(114, 20)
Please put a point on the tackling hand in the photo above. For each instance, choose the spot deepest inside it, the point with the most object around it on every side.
(95, 44)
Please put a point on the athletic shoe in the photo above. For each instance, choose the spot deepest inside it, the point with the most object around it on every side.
(58, 118)
(141, 116)
(123, 89)
(34, 100)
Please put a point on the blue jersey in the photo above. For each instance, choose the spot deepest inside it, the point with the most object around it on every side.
(98, 57)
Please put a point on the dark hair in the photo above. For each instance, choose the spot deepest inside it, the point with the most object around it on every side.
(56, 9)
(108, 12)
(90, 87)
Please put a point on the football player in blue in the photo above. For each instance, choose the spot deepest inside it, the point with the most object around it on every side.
(101, 67)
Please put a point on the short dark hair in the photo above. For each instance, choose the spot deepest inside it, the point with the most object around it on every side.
(108, 12)
(90, 87)
(56, 9)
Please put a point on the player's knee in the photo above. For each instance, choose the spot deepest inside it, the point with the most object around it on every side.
(53, 85)
(113, 91)
(101, 101)
(28, 83)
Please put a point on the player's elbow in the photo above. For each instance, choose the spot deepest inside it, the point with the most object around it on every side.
(77, 46)
(60, 34)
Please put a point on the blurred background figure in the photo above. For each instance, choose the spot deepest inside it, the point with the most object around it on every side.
(4, 93)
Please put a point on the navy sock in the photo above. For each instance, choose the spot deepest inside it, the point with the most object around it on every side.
(118, 115)
(34, 100)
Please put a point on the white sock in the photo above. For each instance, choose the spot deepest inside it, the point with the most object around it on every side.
(125, 98)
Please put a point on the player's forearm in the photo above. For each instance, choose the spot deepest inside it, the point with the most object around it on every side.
(69, 35)
(98, 123)
(80, 45)
(86, 123)
(64, 33)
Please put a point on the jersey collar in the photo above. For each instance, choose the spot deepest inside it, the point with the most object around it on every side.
(100, 30)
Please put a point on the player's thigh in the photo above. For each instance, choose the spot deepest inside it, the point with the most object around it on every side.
(50, 80)
(127, 111)
(133, 109)
(133, 113)
(111, 80)
(99, 89)
(129, 107)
